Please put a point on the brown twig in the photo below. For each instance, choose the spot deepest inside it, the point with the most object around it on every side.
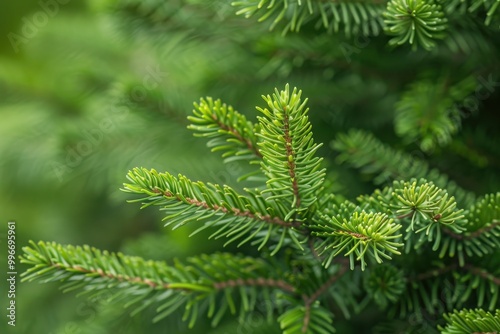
(234, 211)
(290, 154)
(309, 300)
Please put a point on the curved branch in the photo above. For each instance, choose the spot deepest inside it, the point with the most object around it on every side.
(312, 298)
(309, 300)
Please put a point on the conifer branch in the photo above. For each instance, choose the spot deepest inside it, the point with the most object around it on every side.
(140, 282)
(288, 150)
(467, 280)
(420, 118)
(415, 22)
(450, 268)
(364, 233)
(352, 18)
(229, 130)
(424, 203)
(233, 214)
(309, 300)
(472, 235)
(427, 211)
(291, 153)
(302, 320)
(490, 6)
(295, 209)
(363, 151)
(433, 273)
(482, 273)
(264, 282)
(482, 230)
(476, 321)
(385, 284)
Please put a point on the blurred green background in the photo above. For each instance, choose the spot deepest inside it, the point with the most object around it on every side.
(72, 124)
(89, 90)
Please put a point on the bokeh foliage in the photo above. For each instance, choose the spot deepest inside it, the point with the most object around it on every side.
(103, 87)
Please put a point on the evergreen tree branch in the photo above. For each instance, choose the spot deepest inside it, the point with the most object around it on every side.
(430, 215)
(156, 18)
(478, 233)
(358, 17)
(309, 300)
(216, 278)
(233, 214)
(484, 215)
(463, 40)
(288, 150)
(230, 131)
(424, 203)
(261, 281)
(427, 111)
(490, 6)
(301, 320)
(482, 230)
(458, 284)
(428, 212)
(363, 151)
(434, 273)
(364, 233)
(476, 321)
(384, 284)
(415, 22)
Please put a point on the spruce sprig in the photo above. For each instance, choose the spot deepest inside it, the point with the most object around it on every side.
(471, 321)
(220, 279)
(417, 22)
(363, 233)
(293, 170)
(229, 131)
(351, 18)
(235, 216)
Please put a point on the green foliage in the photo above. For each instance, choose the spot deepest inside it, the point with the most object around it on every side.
(288, 150)
(456, 232)
(384, 284)
(234, 215)
(489, 6)
(302, 232)
(136, 66)
(352, 18)
(363, 233)
(417, 22)
(427, 205)
(428, 113)
(309, 319)
(209, 281)
(362, 150)
(471, 321)
(482, 231)
(429, 214)
(230, 131)
(484, 214)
